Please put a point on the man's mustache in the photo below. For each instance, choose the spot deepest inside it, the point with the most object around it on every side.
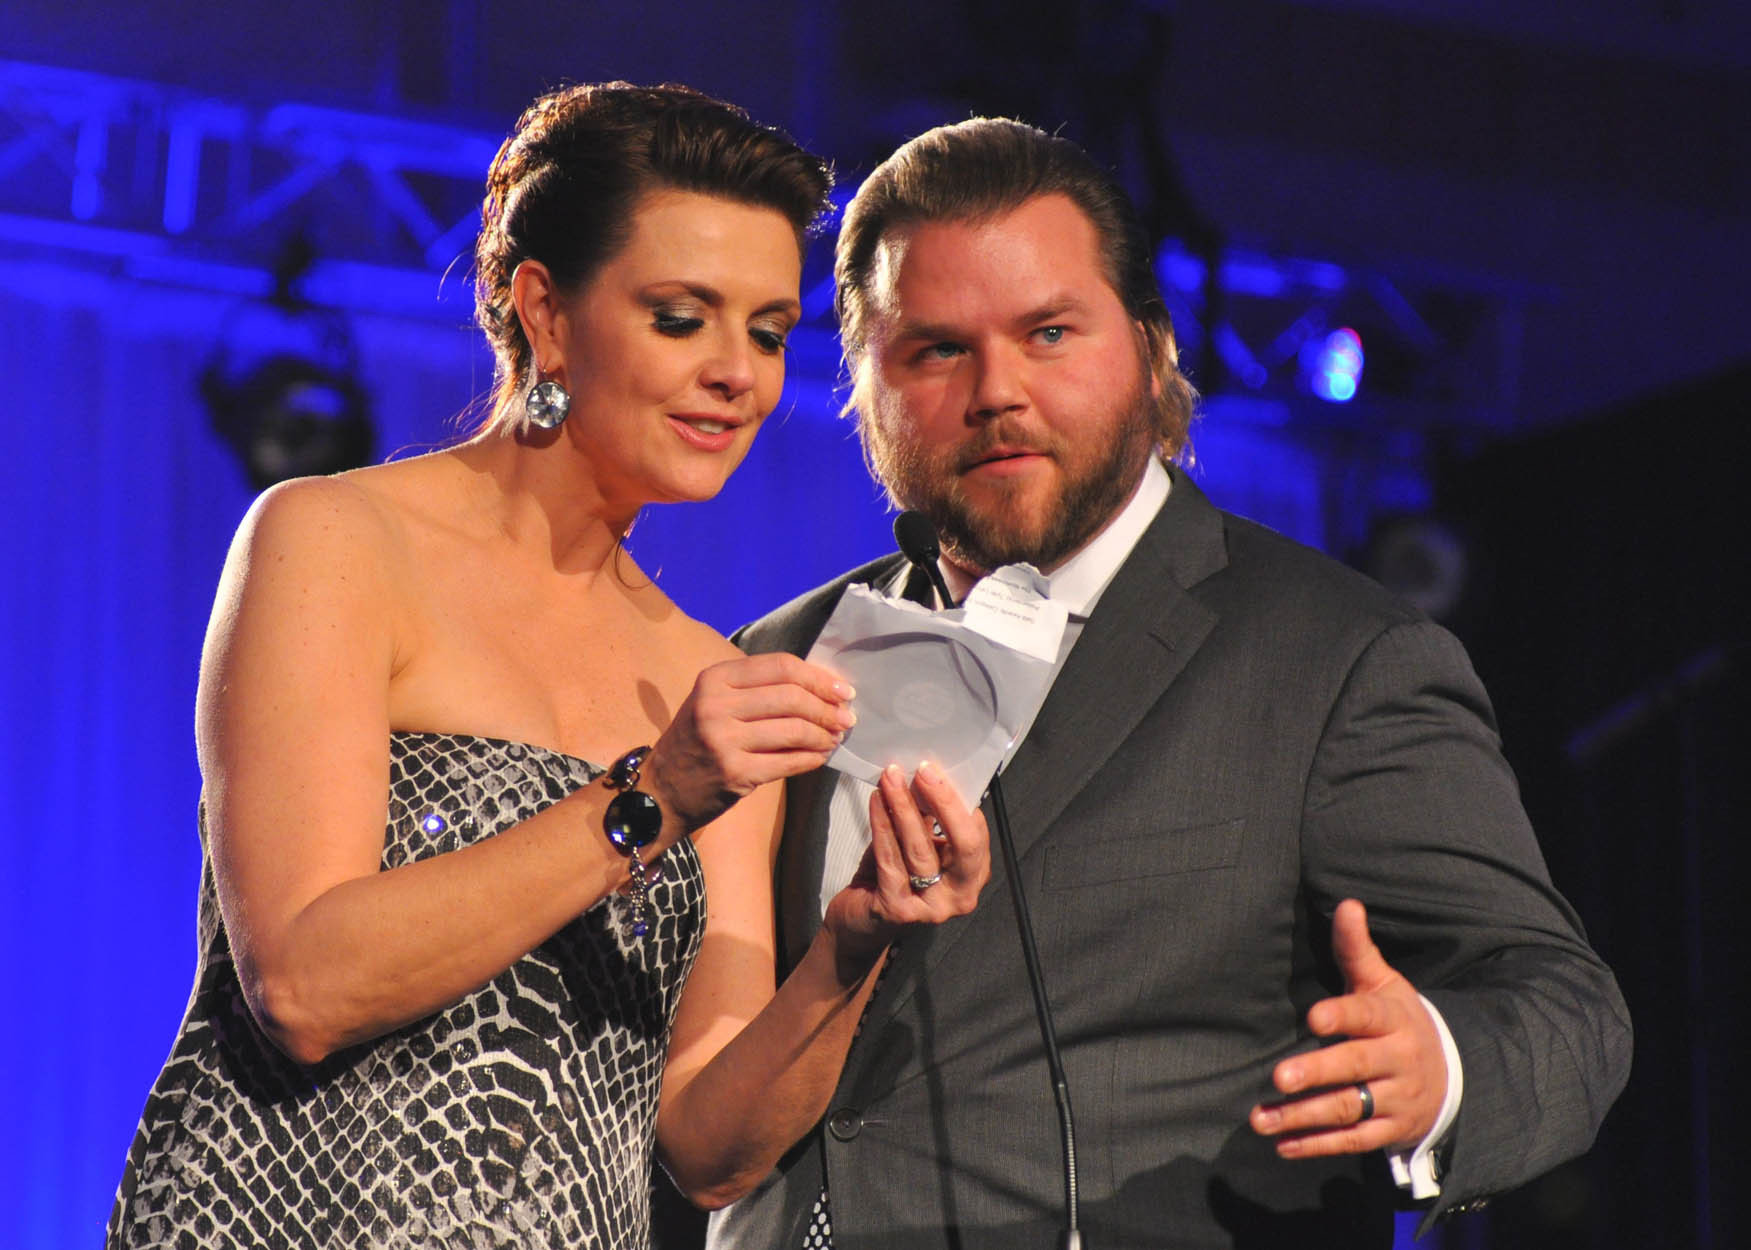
(1005, 442)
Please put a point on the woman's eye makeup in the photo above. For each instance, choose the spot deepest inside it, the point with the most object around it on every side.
(680, 322)
(768, 338)
(675, 322)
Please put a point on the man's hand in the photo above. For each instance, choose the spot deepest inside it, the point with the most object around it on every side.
(1391, 1046)
(922, 833)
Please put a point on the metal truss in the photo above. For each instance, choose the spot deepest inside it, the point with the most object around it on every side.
(179, 187)
(206, 191)
(1443, 350)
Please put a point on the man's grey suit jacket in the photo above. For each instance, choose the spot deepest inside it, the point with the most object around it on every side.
(1245, 734)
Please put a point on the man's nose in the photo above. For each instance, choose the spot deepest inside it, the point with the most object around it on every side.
(999, 384)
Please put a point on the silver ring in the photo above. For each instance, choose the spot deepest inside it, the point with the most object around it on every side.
(922, 884)
(1367, 1096)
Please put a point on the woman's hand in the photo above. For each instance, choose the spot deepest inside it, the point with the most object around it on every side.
(746, 722)
(928, 859)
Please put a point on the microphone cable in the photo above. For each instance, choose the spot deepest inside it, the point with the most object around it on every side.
(918, 542)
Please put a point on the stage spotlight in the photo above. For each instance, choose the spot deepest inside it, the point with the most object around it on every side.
(1332, 366)
(1421, 559)
(288, 416)
(282, 385)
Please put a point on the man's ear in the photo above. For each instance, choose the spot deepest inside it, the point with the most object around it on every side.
(542, 311)
(1143, 346)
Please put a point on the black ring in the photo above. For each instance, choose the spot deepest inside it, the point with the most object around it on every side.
(1367, 1096)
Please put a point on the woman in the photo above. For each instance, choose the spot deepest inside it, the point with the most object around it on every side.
(455, 1031)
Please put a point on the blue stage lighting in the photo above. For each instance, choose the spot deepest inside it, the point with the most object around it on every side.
(1333, 365)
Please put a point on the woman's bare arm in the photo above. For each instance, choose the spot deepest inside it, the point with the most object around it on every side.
(292, 726)
(293, 734)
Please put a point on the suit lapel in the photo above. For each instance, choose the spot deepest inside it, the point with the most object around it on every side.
(1144, 631)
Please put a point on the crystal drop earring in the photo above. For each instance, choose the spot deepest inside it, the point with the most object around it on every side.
(547, 404)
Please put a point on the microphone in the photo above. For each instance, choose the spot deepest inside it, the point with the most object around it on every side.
(917, 540)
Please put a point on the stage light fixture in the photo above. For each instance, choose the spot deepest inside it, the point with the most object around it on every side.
(287, 416)
(1332, 365)
(1420, 558)
(282, 386)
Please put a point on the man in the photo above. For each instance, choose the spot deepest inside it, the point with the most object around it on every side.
(1253, 765)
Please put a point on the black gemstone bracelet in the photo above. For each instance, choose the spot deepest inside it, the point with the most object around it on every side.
(632, 822)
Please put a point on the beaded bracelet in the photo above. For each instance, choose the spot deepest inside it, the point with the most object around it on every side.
(632, 821)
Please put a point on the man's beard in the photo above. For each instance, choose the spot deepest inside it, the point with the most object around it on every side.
(983, 535)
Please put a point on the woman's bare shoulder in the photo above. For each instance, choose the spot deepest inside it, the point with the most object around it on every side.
(307, 519)
(327, 546)
(315, 591)
(364, 513)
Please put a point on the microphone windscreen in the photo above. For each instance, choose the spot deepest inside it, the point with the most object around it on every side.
(916, 537)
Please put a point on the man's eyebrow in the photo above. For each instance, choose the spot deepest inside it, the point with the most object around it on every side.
(942, 331)
(1057, 306)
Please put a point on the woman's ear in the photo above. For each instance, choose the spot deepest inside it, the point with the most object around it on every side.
(541, 310)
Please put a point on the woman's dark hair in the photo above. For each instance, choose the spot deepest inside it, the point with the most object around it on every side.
(564, 187)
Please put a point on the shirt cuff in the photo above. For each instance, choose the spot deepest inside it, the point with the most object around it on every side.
(1415, 1170)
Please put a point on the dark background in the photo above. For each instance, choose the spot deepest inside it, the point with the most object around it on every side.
(1536, 215)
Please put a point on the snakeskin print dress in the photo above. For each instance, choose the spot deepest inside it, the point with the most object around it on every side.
(522, 1115)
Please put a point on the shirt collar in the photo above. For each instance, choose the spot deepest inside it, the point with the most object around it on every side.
(1078, 583)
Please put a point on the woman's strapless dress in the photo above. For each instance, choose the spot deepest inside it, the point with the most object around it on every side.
(522, 1115)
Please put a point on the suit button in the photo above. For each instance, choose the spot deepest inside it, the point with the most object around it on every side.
(845, 1124)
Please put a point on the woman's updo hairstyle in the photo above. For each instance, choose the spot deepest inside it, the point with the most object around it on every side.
(563, 188)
